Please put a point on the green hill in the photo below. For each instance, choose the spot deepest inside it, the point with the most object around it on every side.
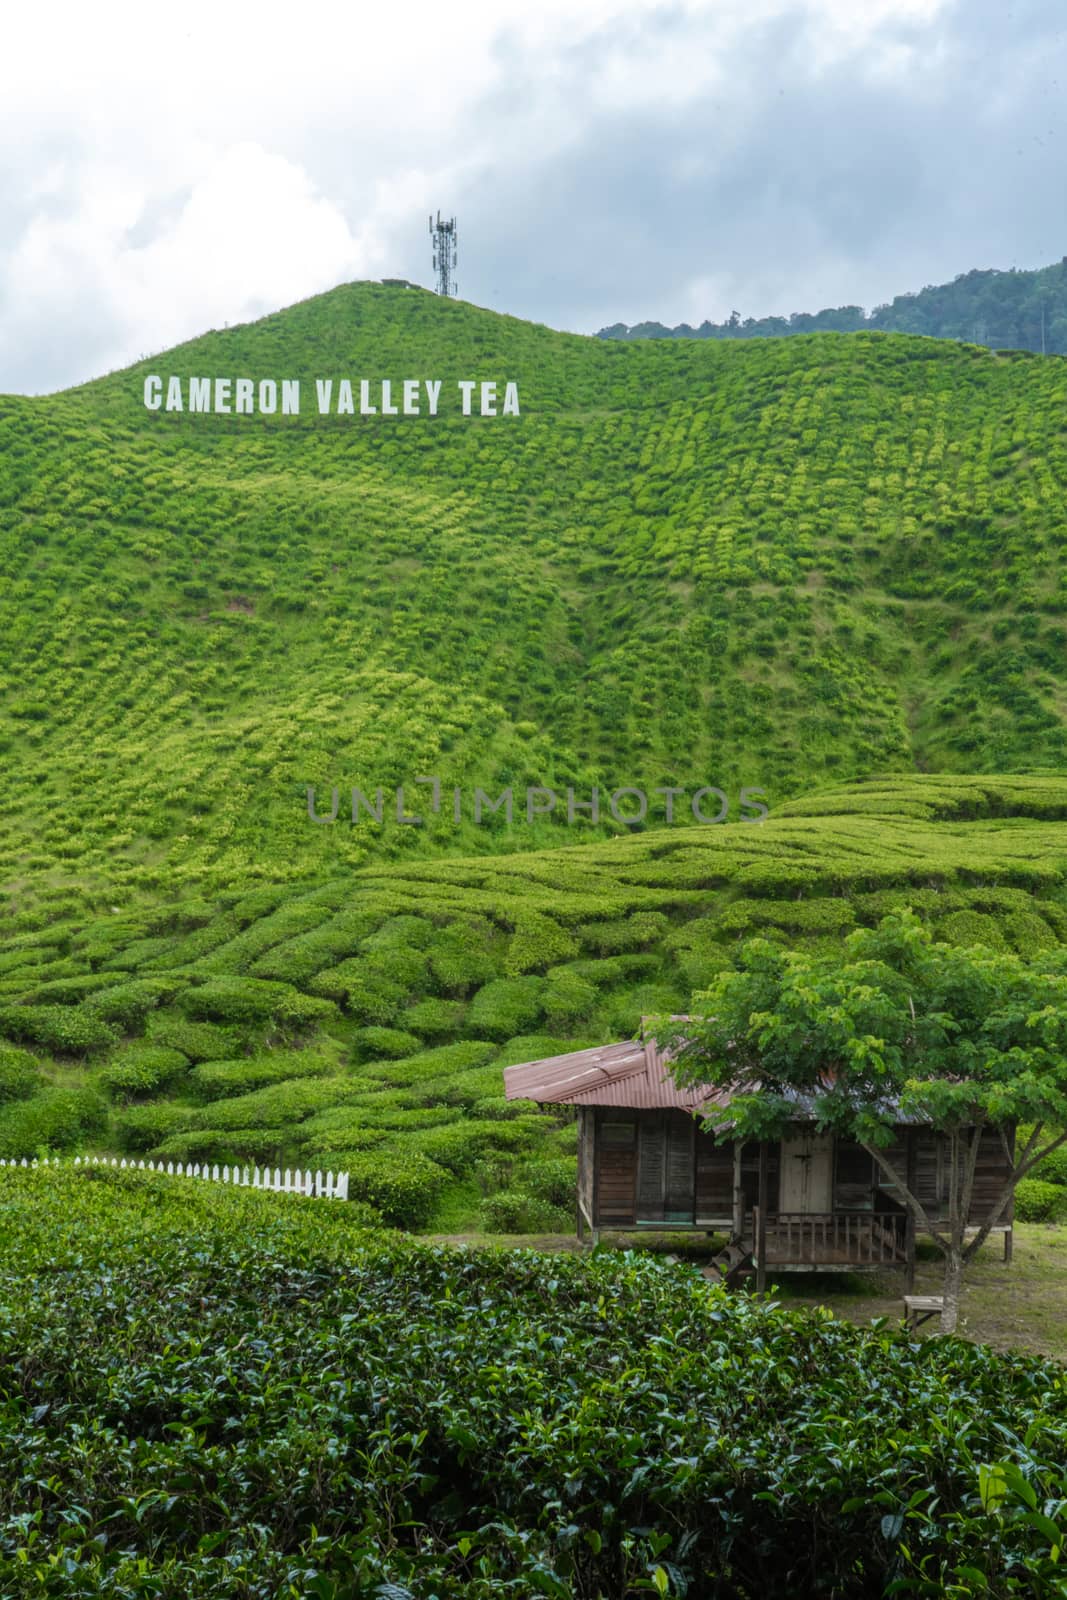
(764, 563)
(827, 567)
(363, 1022)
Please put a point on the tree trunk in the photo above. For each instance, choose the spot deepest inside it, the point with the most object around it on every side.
(950, 1310)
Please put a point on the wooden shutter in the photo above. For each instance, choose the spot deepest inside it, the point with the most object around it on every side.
(681, 1172)
(992, 1171)
(616, 1169)
(651, 1166)
(714, 1179)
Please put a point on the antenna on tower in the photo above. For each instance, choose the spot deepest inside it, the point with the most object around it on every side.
(445, 253)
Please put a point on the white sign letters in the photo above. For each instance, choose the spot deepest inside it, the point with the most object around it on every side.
(334, 397)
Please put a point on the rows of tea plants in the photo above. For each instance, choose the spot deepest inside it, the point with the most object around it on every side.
(364, 1022)
(768, 563)
(251, 1396)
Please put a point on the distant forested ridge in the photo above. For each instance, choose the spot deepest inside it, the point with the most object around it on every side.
(1014, 310)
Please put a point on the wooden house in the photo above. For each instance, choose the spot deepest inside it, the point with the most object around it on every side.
(807, 1202)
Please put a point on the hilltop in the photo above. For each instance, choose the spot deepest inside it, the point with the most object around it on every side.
(1016, 310)
(767, 563)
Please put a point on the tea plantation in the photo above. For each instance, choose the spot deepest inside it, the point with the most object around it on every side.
(829, 567)
(363, 1022)
(769, 563)
(227, 1394)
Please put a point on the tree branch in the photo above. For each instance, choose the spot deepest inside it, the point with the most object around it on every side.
(1008, 1191)
(915, 1205)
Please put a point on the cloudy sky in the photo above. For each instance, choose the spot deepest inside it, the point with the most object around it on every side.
(167, 170)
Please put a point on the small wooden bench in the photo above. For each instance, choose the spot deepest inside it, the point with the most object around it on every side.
(919, 1308)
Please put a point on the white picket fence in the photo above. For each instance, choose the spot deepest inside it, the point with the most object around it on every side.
(320, 1185)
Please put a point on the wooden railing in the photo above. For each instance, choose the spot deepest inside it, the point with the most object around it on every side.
(855, 1238)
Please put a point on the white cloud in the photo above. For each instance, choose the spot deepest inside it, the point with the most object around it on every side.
(163, 170)
(252, 233)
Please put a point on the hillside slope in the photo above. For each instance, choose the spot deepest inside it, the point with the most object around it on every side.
(364, 1022)
(763, 563)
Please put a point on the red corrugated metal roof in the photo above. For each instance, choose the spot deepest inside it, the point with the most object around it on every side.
(630, 1074)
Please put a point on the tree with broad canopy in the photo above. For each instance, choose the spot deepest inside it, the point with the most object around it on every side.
(894, 1026)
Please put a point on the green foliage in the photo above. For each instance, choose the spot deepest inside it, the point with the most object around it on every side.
(635, 932)
(434, 1019)
(1038, 1200)
(20, 1074)
(966, 928)
(566, 998)
(605, 571)
(1017, 310)
(555, 1181)
(432, 1067)
(372, 1044)
(218, 1080)
(537, 942)
(138, 1129)
(459, 1146)
(517, 1211)
(461, 955)
(127, 1004)
(56, 1119)
(303, 1391)
(505, 1006)
(199, 1041)
(403, 1190)
(242, 1000)
(1052, 1167)
(69, 1030)
(139, 1070)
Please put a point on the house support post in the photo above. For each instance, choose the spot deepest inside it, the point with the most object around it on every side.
(761, 1227)
(1008, 1233)
(909, 1225)
(739, 1199)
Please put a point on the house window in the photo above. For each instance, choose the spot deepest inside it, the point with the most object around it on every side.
(618, 1133)
(854, 1178)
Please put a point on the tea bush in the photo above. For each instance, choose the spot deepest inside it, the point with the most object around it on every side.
(20, 1074)
(404, 1191)
(434, 1019)
(518, 1211)
(505, 1006)
(327, 1412)
(139, 1070)
(555, 1181)
(243, 1000)
(461, 955)
(372, 1044)
(54, 1120)
(128, 1003)
(459, 1146)
(1037, 1200)
(217, 1080)
(69, 1030)
(1053, 1169)
(199, 1041)
(139, 1129)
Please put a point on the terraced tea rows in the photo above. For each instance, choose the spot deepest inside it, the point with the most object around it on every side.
(770, 563)
(364, 1022)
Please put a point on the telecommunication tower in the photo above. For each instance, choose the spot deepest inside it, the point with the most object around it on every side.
(445, 253)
